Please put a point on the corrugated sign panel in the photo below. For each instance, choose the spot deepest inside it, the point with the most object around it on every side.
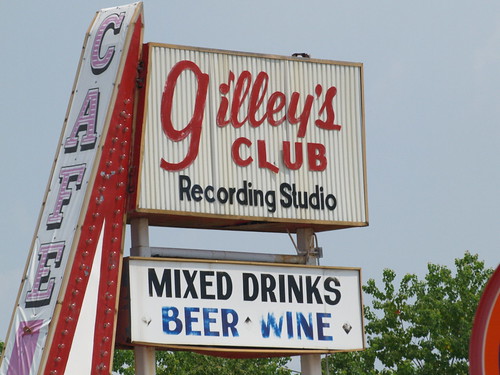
(245, 305)
(245, 138)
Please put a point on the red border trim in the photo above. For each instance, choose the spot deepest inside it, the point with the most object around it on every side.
(484, 350)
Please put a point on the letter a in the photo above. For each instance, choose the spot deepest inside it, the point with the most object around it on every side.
(87, 119)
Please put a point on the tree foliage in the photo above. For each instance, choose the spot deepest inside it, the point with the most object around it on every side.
(421, 327)
(189, 363)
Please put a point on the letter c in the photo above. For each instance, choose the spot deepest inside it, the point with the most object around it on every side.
(97, 63)
(235, 152)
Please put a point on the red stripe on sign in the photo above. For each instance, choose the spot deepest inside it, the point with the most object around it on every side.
(112, 257)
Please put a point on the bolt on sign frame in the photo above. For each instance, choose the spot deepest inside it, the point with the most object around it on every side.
(65, 316)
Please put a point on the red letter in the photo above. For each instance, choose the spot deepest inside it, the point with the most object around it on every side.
(243, 84)
(316, 156)
(235, 152)
(272, 108)
(263, 163)
(328, 124)
(304, 116)
(224, 102)
(257, 95)
(298, 155)
(194, 126)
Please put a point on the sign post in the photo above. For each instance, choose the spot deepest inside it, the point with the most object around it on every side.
(145, 361)
(310, 364)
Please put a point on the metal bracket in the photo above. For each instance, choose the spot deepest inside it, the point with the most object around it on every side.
(169, 252)
(317, 252)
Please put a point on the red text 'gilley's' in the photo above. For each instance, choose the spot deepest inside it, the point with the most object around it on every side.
(248, 106)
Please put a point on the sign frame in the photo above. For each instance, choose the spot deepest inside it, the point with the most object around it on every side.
(129, 300)
(198, 218)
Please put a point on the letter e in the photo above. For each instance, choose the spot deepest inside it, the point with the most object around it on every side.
(40, 295)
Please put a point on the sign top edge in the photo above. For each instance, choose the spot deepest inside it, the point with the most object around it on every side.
(255, 54)
(237, 262)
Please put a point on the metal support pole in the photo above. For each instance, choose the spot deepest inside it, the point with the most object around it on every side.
(169, 252)
(310, 364)
(145, 362)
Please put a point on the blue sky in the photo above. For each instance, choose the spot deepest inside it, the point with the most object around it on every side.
(432, 73)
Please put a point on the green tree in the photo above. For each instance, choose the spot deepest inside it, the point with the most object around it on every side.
(422, 327)
(189, 363)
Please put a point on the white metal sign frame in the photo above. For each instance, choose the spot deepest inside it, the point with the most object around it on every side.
(244, 141)
(249, 306)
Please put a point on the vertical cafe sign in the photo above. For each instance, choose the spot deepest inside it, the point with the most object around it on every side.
(255, 142)
(64, 318)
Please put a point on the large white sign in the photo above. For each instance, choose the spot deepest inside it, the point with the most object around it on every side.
(181, 302)
(247, 139)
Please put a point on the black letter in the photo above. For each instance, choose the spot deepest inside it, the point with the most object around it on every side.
(283, 189)
(165, 283)
(268, 284)
(190, 289)
(184, 189)
(221, 276)
(204, 283)
(246, 295)
(312, 289)
(295, 290)
(335, 291)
